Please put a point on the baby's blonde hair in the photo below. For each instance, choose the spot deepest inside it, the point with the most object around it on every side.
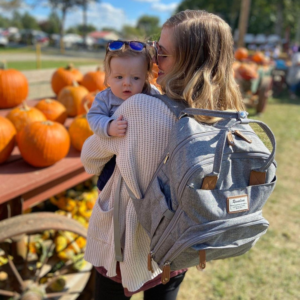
(127, 52)
(202, 75)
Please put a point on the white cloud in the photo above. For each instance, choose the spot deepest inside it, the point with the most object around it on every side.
(100, 15)
(160, 7)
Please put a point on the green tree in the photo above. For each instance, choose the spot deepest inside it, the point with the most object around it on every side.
(52, 25)
(10, 4)
(132, 33)
(16, 20)
(266, 16)
(149, 26)
(29, 22)
(4, 22)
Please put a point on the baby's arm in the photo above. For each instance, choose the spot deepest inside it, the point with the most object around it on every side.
(99, 120)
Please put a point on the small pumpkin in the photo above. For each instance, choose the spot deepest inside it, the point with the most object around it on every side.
(13, 87)
(258, 57)
(89, 98)
(44, 143)
(241, 53)
(71, 97)
(94, 80)
(247, 71)
(63, 77)
(23, 115)
(53, 110)
(7, 138)
(80, 130)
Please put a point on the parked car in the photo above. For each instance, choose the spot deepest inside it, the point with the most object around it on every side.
(3, 40)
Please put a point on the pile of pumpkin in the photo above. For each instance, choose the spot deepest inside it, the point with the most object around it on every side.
(246, 66)
(39, 132)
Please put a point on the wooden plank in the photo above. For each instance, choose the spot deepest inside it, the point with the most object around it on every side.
(18, 178)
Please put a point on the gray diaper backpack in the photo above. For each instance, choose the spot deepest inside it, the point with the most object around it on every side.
(205, 200)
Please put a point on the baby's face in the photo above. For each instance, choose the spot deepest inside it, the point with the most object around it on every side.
(127, 76)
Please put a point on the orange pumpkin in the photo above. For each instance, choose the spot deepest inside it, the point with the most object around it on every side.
(235, 66)
(71, 97)
(89, 98)
(13, 87)
(53, 110)
(258, 57)
(42, 144)
(241, 53)
(23, 115)
(63, 77)
(247, 71)
(79, 131)
(7, 138)
(94, 80)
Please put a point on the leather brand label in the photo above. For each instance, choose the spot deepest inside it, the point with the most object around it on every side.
(237, 204)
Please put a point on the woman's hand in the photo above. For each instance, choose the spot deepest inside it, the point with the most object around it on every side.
(117, 127)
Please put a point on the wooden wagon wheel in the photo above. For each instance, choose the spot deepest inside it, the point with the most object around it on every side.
(264, 92)
(43, 275)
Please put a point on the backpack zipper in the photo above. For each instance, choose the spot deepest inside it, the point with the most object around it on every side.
(196, 240)
(192, 170)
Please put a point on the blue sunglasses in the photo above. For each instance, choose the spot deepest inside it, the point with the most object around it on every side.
(118, 45)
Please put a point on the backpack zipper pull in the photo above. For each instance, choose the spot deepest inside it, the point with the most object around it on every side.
(239, 134)
(165, 277)
(166, 158)
(230, 138)
(202, 260)
(150, 256)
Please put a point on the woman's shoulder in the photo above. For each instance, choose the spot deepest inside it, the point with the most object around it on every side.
(146, 104)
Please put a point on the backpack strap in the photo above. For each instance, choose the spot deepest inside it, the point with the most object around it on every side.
(176, 107)
(117, 234)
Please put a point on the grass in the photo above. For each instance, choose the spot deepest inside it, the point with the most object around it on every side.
(13, 50)
(46, 64)
(270, 271)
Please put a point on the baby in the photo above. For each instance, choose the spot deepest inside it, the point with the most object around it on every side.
(128, 68)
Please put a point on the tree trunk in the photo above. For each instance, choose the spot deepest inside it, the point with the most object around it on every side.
(243, 22)
(62, 25)
(279, 19)
(85, 22)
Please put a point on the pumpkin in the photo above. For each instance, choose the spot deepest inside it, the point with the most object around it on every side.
(23, 115)
(13, 87)
(71, 97)
(7, 138)
(89, 98)
(80, 130)
(63, 77)
(258, 57)
(94, 80)
(53, 110)
(43, 143)
(247, 71)
(241, 53)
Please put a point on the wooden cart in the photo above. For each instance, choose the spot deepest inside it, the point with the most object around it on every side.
(21, 187)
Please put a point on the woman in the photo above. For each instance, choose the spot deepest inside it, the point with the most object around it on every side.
(194, 56)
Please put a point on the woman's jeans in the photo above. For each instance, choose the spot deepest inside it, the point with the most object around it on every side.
(107, 289)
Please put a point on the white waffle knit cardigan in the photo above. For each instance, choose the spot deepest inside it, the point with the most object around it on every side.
(138, 156)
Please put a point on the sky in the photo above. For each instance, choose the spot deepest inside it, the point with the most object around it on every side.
(109, 13)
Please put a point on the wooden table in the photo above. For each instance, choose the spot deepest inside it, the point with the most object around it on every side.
(23, 186)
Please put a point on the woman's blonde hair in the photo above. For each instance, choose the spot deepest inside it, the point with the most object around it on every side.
(202, 75)
(127, 52)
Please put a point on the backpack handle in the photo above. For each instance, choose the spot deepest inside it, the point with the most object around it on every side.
(216, 113)
(271, 137)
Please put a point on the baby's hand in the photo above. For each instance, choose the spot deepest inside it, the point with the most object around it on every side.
(117, 127)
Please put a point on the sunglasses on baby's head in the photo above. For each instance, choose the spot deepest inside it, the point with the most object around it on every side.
(118, 45)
